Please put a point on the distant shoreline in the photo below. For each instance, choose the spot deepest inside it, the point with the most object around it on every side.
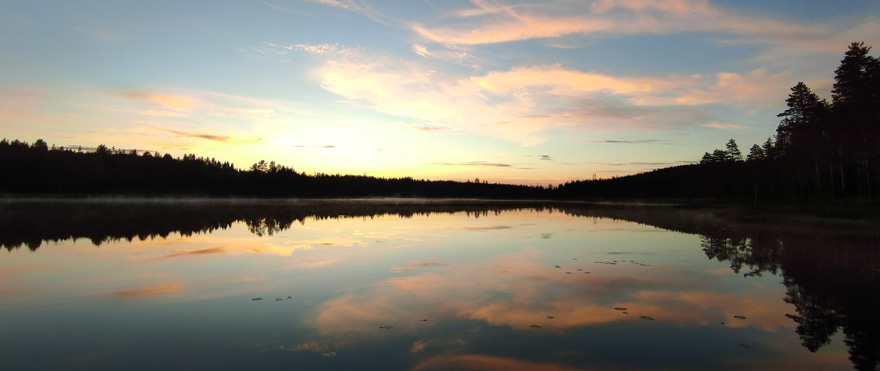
(728, 210)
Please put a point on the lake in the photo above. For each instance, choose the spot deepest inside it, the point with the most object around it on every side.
(430, 285)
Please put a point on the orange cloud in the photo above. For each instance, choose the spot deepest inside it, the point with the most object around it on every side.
(158, 289)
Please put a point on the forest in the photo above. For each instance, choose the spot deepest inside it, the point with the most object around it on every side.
(37, 169)
(822, 153)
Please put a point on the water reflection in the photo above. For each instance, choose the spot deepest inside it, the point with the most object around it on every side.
(459, 285)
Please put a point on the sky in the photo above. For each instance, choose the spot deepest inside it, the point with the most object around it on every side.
(521, 92)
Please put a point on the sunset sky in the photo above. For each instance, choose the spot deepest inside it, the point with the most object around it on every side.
(506, 91)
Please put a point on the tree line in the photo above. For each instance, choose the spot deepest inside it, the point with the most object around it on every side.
(821, 151)
(36, 169)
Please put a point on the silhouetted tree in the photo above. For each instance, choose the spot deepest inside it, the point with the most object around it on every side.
(756, 153)
(856, 104)
(733, 153)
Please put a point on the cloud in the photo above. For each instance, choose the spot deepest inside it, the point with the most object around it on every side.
(431, 128)
(323, 147)
(640, 141)
(163, 113)
(718, 125)
(169, 101)
(211, 137)
(458, 56)
(158, 289)
(339, 4)
(546, 158)
(419, 264)
(474, 163)
(487, 228)
(208, 250)
(486, 23)
(359, 6)
(216, 138)
(531, 99)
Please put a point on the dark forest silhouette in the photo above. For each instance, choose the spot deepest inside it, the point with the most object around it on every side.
(38, 170)
(830, 269)
(822, 153)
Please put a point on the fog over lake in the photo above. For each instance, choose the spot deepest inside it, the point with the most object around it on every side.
(430, 284)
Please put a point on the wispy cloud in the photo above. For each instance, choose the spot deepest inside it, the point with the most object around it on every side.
(322, 147)
(431, 128)
(163, 113)
(479, 228)
(718, 125)
(205, 251)
(167, 106)
(489, 23)
(639, 141)
(473, 163)
(212, 137)
(158, 289)
(359, 6)
(168, 101)
(419, 264)
(345, 4)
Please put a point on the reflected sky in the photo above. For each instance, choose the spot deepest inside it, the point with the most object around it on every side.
(522, 289)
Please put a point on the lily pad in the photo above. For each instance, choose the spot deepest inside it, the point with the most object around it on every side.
(649, 318)
(619, 308)
(423, 320)
(739, 317)
(386, 327)
(567, 272)
(574, 258)
(535, 327)
(557, 266)
(278, 299)
(580, 269)
(329, 354)
(255, 299)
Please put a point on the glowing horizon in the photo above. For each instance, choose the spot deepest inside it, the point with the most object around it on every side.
(513, 92)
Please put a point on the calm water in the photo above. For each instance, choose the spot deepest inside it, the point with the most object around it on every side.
(399, 285)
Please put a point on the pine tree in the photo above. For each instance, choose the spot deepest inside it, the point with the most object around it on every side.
(733, 153)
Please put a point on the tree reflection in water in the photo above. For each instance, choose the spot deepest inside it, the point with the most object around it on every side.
(830, 271)
(831, 278)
